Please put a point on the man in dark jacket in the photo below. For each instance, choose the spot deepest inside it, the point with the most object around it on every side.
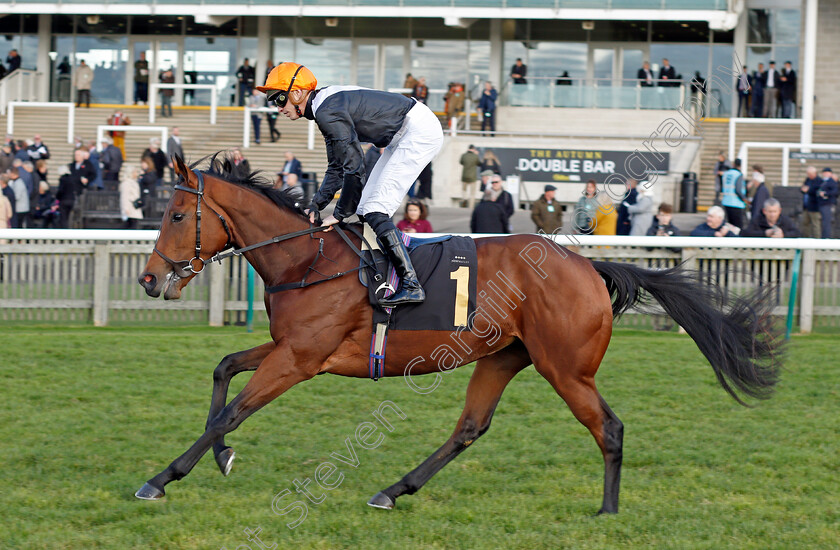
(38, 150)
(787, 90)
(502, 198)
(770, 222)
(622, 226)
(826, 199)
(667, 75)
(761, 194)
(715, 226)
(811, 222)
(487, 106)
(347, 115)
(757, 83)
(488, 217)
(246, 76)
(546, 213)
(82, 172)
(111, 160)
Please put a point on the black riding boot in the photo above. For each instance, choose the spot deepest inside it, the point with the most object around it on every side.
(410, 291)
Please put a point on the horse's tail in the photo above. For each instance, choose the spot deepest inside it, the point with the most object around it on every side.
(736, 335)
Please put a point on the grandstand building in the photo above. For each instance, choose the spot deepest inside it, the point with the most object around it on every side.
(599, 44)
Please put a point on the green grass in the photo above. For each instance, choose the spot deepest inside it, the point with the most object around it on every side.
(88, 415)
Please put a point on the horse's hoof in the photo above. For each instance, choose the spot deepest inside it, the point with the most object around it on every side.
(225, 460)
(603, 511)
(149, 492)
(381, 500)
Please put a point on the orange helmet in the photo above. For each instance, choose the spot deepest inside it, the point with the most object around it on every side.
(286, 77)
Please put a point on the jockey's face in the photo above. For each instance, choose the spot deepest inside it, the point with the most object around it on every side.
(296, 97)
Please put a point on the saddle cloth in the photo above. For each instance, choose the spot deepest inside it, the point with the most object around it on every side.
(447, 268)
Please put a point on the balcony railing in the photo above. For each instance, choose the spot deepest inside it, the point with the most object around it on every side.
(595, 93)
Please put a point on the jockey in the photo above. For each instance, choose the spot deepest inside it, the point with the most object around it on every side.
(348, 115)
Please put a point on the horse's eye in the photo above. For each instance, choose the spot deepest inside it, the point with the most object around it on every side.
(176, 217)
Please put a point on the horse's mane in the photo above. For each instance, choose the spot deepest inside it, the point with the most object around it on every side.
(221, 166)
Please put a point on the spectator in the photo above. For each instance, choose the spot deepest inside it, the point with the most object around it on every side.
(826, 199)
(81, 172)
(757, 83)
(503, 198)
(760, 191)
(519, 72)
(83, 81)
(485, 176)
(787, 90)
(22, 153)
(10, 141)
(414, 220)
(21, 205)
(166, 94)
(489, 216)
(66, 196)
(645, 75)
(371, 156)
(112, 160)
(641, 213)
(27, 174)
(256, 100)
(93, 157)
(7, 211)
(606, 216)
(698, 84)
(13, 61)
(714, 226)
(41, 173)
(45, 213)
(721, 167)
(563, 80)
(241, 166)
(662, 226)
(141, 81)
(38, 149)
(743, 86)
(6, 158)
(733, 195)
(148, 183)
(469, 162)
(269, 65)
(245, 75)
(487, 107)
(771, 81)
(119, 119)
(130, 197)
(584, 214)
(491, 162)
(290, 184)
(410, 83)
(623, 221)
(292, 166)
(454, 99)
(421, 91)
(174, 147)
(424, 183)
(158, 158)
(811, 218)
(64, 77)
(546, 214)
(667, 75)
(770, 222)
(273, 132)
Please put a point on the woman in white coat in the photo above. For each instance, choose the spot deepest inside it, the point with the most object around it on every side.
(641, 213)
(129, 197)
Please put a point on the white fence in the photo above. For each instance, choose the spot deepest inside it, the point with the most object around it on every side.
(21, 85)
(91, 275)
(71, 114)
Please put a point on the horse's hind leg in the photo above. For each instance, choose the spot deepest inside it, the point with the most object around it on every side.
(488, 381)
(577, 388)
(229, 367)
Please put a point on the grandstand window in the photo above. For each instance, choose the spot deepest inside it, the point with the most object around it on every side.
(550, 59)
(107, 56)
(284, 50)
(330, 59)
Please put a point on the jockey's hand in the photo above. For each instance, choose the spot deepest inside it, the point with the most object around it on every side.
(329, 220)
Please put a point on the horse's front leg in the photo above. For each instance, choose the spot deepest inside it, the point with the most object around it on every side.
(276, 374)
(229, 367)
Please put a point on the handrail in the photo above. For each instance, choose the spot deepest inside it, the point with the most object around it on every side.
(25, 89)
(155, 87)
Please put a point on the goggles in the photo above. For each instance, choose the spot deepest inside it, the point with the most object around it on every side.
(281, 97)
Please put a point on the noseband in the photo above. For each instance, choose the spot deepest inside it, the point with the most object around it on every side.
(184, 268)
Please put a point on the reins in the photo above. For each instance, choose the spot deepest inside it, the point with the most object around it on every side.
(183, 268)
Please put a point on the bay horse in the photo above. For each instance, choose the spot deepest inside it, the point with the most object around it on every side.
(562, 326)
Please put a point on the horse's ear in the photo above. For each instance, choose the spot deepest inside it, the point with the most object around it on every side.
(180, 168)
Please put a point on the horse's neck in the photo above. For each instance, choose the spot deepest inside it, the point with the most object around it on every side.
(254, 219)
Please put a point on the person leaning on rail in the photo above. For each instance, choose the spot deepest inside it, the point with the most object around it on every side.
(347, 116)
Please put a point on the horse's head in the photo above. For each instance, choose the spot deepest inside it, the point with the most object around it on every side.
(191, 232)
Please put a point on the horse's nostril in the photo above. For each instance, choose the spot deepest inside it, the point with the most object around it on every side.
(148, 278)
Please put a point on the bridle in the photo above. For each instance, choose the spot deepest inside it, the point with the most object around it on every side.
(183, 268)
